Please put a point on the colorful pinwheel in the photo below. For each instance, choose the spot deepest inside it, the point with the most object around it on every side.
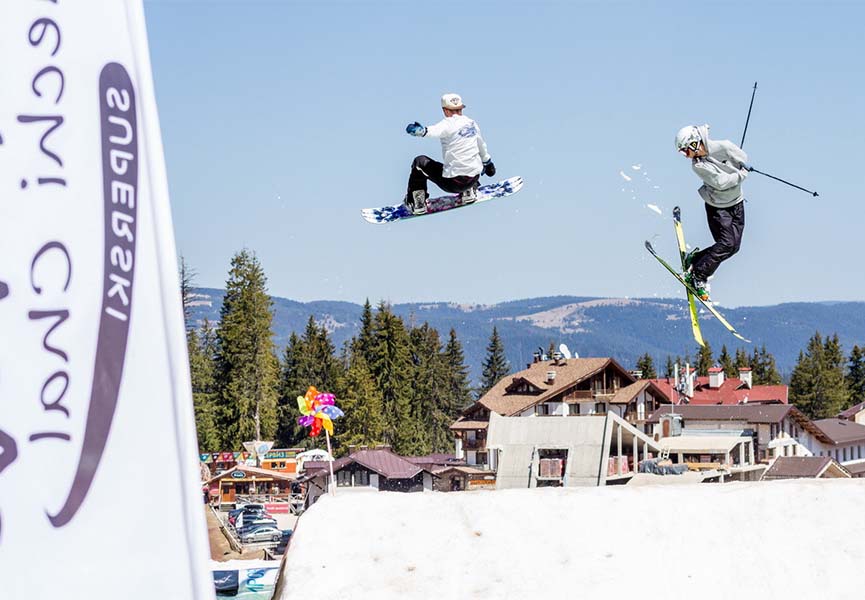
(319, 410)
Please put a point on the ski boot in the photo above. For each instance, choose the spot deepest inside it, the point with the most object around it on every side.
(700, 286)
(416, 202)
(468, 196)
(689, 258)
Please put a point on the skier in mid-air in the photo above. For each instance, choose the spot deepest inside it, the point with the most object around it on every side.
(720, 164)
(464, 153)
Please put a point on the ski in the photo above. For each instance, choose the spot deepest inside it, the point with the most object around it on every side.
(693, 292)
(692, 305)
(400, 212)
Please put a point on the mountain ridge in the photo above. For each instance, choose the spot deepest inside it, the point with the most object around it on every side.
(623, 328)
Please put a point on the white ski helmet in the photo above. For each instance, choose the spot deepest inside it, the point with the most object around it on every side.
(688, 137)
(452, 102)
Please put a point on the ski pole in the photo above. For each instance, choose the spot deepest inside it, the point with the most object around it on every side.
(753, 170)
(747, 120)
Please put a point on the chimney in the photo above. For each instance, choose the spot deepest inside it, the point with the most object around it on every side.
(716, 377)
(536, 357)
(551, 376)
(689, 381)
(745, 376)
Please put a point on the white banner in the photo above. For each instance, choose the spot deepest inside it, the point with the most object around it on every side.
(99, 481)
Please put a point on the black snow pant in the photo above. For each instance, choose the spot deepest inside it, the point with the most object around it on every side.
(726, 225)
(424, 168)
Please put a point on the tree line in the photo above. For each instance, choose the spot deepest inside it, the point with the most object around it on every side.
(398, 385)
(823, 383)
(403, 385)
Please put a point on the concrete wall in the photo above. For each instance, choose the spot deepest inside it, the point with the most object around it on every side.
(518, 439)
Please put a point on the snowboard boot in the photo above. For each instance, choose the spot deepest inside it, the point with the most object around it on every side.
(700, 286)
(689, 258)
(468, 196)
(416, 202)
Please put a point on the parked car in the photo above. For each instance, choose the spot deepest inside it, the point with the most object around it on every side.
(234, 515)
(265, 533)
(244, 519)
(255, 525)
(283, 542)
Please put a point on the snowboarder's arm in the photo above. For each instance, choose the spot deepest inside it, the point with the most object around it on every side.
(439, 129)
(482, 147)
(716, 178)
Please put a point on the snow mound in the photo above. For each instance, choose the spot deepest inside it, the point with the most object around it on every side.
(782, 539)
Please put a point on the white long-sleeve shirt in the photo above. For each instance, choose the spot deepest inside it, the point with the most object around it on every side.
(463, 148)
(721, 171)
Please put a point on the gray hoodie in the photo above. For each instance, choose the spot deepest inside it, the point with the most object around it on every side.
(721, 171)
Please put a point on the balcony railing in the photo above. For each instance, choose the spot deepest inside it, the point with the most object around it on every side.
(588, 395)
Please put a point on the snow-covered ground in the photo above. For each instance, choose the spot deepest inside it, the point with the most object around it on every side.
(782, 539)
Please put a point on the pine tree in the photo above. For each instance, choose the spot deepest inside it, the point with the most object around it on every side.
(429, 388)
(317, 364)
(805, 379)
(817, 385)
(856, 376)
(202, 349)
(836, 394)
(364, 422)
(187, 281)
(459, 388)
(646, 365)
(392, 370)
(764, 371)
(668, 367)
(495, 364)
(742, 360)
(704, 360)
(289, 433)
(726, 363)
(364, 342)
(247, 368)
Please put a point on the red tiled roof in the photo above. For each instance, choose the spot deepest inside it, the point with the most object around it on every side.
(852, 411)
(732, 391)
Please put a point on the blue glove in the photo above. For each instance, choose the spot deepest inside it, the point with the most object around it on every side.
(415, 129)
(489, 168)
(747, 167)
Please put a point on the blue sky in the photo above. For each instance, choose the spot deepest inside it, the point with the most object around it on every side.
(281, 120)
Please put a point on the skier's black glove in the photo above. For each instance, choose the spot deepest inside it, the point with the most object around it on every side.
(415, 129)
(489, 168)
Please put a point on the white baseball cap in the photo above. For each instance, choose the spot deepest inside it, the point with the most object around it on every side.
(452, 101)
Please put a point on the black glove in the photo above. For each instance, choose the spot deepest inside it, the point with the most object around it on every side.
(489, 168)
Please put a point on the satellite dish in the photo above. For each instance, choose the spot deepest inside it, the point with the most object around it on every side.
(563, 348)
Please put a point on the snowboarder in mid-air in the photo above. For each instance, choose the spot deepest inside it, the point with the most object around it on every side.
(464, 153)
(720, 164)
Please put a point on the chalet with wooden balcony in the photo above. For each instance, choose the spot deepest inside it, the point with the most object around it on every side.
(556, 388)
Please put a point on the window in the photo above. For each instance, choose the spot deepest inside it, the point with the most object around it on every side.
(361, 478)
(343, 478)
(573, 409)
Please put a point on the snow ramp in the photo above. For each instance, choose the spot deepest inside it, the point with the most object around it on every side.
(782, 539)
